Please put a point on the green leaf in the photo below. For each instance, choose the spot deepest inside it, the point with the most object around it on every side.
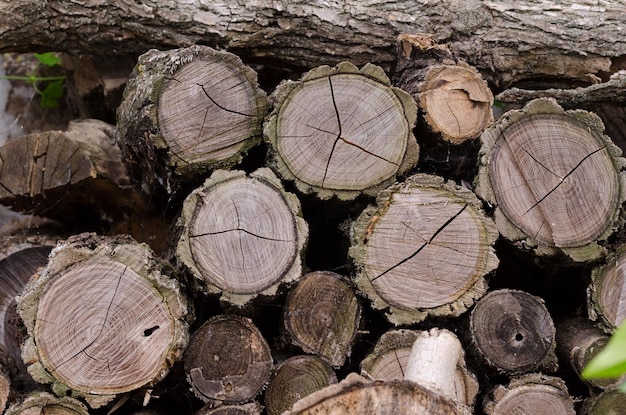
(51, 94)
(48, 59)
(611, 361)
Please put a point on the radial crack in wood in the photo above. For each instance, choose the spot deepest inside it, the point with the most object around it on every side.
(556, 180)
(423, 250)
(342, 131)
(102, 319)
(242, 235)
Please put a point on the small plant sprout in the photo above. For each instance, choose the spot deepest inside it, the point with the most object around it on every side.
(611, 361)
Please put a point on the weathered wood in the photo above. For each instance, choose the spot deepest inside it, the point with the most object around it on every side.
(577, 342)
(252, 408)
(102, 319)
(6, 364)
(228, 361)
(609, 402)
(506, 41)
(512, 331)
(296, 378)
(39, 403)
(322, 315)
(606, 302)
(342, 131)
(452, 97)
(555, 179)
(242, 235)
(531, 394)
(424, 249)
(355, 396)
(188, 111)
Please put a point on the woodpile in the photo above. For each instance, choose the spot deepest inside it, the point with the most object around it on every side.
(348, 241)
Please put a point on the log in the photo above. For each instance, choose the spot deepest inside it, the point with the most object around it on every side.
(45, 403)
(454, 101)
(512, 331)
(605, 295)
(577, 342)
(322, 316)
(6, 386)
(102, 319)
(424, 249)
(66, 175)
(505, 41)
(555, 179)
(390, 357)
(242, 235)
(531, 394)
(356, 395)
(608, 402)
(186, 112)
(341, 131)
(296, 378)
(252, 408)
(228, 360)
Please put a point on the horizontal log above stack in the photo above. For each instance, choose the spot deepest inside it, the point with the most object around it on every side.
(424, 249)
(342, 131)
(555, 180)
(242, 235)
(102, 319)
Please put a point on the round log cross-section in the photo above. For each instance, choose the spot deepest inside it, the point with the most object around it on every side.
(424, 249)
(242, 234)
(341, 131)
(102, 319)
(555, 177)
(607, 291)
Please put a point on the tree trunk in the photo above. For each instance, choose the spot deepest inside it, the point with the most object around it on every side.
(512, 331)
(242, 235)
(605, 294)
(322, 315)
(39, 403)
(506, 42)
(423, 250)
(556, 180)
(186, 112)
(228, 361)
(340, 131)
(296, 378)
(95, 296)
(531, 394)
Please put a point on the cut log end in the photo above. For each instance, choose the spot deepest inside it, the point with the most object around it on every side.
(606, 294)
(44, 403)
(340, 131)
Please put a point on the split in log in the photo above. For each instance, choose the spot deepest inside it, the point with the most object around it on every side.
(65, 175)
(252, 408)
(452, 96)
(188, 111)
(296, 378)
(577, 342)
(556, 180)
(423, 250)
(609, 402)
(322, 315)
(606, 300)
(228, 361)
(102, 319)
(44, 403)
(356, 396)
(242, 235)
(513, 332)
(342, 131)
(389, 359)
(531, 394)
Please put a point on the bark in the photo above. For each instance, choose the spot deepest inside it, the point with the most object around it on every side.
(506, 42)
(340, 131)
(42, 403)
(296, 378)
(228, 361)
(531, 394)
(512, 331)
(322, 315)
(186, 112)
(555, 178)
(248, 240)
(407, 248)
(133, 309)
(605, 294)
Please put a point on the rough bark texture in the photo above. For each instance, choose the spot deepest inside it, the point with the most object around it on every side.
(40, 403)
(97, 295)
(505, 41)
